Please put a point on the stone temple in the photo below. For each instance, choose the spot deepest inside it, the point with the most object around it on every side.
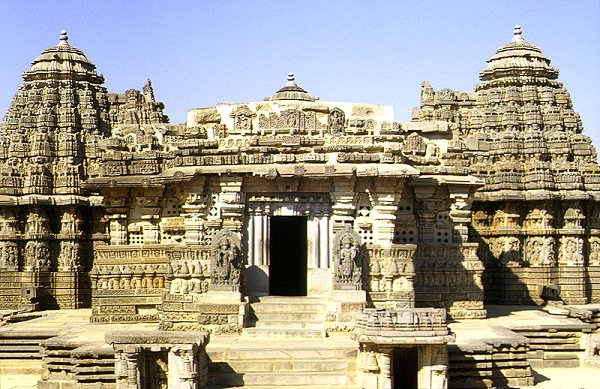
(294, 242)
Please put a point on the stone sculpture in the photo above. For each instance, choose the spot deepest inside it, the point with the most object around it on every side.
(347, 258)
(226, 263)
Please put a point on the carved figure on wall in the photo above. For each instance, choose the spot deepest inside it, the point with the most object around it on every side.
(572, 251)
(37, 256)
(242, 119)
(594, 257)
(69, 256)
(243, 122)
(541, 252)
(336, 121)
(226, 260)
(347, 257)
(10, 255)
(70, 222)
(534, 251)
(36, 223)
(511, 250)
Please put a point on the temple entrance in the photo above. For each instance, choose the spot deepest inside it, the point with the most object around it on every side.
(405, 368)
(287, 247)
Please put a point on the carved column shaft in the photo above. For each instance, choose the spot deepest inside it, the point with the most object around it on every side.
(387, 197)
(231, 202)
(344, 202)
(118, 229)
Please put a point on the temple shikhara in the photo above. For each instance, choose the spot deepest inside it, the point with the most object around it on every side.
(294, 242)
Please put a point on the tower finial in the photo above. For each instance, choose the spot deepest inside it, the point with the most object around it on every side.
(291, 78)
(517, 31)
(64, 39)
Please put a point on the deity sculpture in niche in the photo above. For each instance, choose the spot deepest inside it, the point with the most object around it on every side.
(347, 259)
(336, 121)
(226, 260)
(242, 120)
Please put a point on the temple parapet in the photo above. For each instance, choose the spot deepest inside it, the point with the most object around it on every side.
(393, 340)
(397, 326)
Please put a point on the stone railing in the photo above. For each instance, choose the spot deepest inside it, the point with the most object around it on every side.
(397, 325)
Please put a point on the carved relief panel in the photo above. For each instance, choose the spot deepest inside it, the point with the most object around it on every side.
(348, 259)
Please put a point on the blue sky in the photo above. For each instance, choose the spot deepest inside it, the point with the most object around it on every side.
(199, 53)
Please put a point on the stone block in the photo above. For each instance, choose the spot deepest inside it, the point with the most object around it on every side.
(548, 355)
(560, 363)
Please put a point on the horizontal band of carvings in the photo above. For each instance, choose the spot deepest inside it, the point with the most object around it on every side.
(391, 326)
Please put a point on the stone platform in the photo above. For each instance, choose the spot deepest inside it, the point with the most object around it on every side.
(506, 326)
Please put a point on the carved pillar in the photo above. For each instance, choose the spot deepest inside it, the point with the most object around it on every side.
(194, 215)
(387, 196)
(116, 203)
(146, 202)
(127, 367)
(232, 203)
(426, 212)
(258, 238)
(314, 234)
(324, 240)
(183, 367)
(433, 367)
(118, 228)
(343, 199)
(460, 214)
(385, 365)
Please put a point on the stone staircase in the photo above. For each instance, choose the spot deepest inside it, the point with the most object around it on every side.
(257, 363)
(555, 346)
(284, 345)
(290, 317)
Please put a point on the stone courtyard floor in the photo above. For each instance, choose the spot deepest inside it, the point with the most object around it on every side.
(75, 324)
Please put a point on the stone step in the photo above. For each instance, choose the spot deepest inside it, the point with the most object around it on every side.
(349, 386)
(290, 315)
(20, 355)
(283, 379)
(293, 324)
(288, 304)
(287, 307)
(284, 332)
(280, 365)
(280, 352)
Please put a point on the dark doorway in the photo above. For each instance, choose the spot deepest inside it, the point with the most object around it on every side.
(287, 269)
(157, 370)
(405, 367)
